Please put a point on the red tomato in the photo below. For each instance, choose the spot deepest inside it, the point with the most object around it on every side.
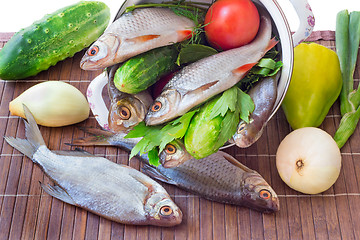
(231, 23)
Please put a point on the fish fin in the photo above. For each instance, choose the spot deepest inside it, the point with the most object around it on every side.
(32, 131)
(143, 181)
(235, 162)
(96, 131)
(243, 69)
(143, 38)
(22, 145)
(271, 44)
(77, 153)
(57, 192)
(90, 141)
(184, 34)
(202, 88)
(154, 173)
(99, 138)
(33, 135)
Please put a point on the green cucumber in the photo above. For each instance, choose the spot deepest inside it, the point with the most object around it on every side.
(142, 71)
(53, 38)
(202, 135)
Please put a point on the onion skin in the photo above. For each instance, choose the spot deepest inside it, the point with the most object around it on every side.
(53, 104)
(308, 160)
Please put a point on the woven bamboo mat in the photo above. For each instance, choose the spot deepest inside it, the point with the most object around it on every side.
(26, 212)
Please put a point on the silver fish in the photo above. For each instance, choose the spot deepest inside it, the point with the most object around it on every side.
(126, 110)
(264, 95)
(218, 177)
(200, 81)
(136, 32)
(221, 178)
(116, 192)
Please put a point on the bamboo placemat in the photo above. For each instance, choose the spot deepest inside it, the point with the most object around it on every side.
(26, 212)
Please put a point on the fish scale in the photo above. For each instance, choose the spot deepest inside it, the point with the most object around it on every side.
(144, 21)
(137, 32)
(218, 177)
(199, 81)
(264, 95)
(114, 191)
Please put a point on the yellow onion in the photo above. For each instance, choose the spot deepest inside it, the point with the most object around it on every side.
(308, 160)
(53, 104)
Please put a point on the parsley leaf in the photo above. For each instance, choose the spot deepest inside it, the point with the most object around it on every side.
(155, 138)
(246, 105)
(175, 129)
(236, 105)
(154, 157)
(231, 100)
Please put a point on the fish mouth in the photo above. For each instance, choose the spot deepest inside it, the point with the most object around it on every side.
(274, 206)
(270, 206)
(149, 120)
(85, 64)
(177, 218)
(170, 163)
(170, 100)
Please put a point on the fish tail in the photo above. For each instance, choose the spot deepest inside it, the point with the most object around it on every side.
(99, 138)
(33, 135)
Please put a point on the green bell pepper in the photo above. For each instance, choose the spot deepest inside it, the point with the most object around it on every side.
(314, 87)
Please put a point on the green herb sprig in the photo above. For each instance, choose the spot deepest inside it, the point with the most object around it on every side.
(233, 105)
(155, 138)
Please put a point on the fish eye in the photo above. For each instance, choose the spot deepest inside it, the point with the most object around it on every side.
(93, 51)
(156, 106)
(265, 194)
(166, 211)
(170, 149)
(124, 113)
(241, 127)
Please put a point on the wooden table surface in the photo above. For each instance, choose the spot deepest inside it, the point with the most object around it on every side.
(27, 212)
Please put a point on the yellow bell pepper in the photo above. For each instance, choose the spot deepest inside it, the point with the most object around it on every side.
(314, 87)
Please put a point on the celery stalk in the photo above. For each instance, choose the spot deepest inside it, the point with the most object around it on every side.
(347, 38)
(342, 50)
(354, 36)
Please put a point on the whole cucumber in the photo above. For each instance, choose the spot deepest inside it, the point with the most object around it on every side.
(202, 135)
(53, 38)
(142, 71)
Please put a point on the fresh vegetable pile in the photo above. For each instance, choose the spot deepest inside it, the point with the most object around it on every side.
(173, 39)
(212, 123)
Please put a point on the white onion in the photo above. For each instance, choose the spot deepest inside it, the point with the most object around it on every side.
(53, 104)
(308, 160)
